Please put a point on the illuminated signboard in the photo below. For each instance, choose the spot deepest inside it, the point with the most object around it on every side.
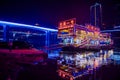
(93, 28)
(67, 23)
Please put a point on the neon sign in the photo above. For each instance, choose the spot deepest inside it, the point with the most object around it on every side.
(67, 24)
(92, 28)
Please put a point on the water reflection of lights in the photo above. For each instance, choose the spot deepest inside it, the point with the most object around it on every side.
(77, 63)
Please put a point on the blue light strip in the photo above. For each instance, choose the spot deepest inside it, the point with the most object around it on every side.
(29, 26)
(117, 27)
(111, 30)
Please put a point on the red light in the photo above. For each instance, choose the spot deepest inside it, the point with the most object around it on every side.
(72, 22)
(60, 24)
(88, 26)
(64, 23)
(95, 29)
(91, 28)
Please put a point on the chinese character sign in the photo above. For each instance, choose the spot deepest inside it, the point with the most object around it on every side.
(67, 24)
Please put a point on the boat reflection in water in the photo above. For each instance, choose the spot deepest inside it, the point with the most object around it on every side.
(72, 65)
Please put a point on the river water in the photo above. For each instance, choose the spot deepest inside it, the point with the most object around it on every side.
(85, 65)
(76, 65)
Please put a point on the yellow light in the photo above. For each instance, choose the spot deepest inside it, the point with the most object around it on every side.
(65, 30)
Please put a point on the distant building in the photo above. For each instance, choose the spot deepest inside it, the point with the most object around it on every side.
(96, 15)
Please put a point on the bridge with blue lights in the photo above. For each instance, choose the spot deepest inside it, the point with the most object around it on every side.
(115, 34)
(110, 31)
(10, 31)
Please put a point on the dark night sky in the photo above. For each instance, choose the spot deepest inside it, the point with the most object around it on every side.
(49, 12)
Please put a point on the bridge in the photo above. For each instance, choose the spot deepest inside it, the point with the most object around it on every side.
(110, 31)
(115, 34)
(10, 30)
(116, 29)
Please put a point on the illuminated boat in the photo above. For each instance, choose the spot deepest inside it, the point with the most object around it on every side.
(85, 37)
(20, 51)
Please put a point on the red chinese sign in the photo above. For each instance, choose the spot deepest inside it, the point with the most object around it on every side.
(93, 28)
(67, 24)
